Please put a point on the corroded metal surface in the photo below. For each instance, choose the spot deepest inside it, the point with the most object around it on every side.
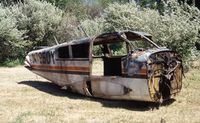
(152, 74)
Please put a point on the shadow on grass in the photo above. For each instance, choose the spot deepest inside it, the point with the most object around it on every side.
(56, 90)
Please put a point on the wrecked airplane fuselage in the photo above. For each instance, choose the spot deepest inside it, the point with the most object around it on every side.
(143, 71)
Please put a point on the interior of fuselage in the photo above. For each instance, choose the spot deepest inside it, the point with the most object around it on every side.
(110, 55)
(107, 54)
(106, 61)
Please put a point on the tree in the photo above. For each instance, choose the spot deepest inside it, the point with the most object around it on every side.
(23, 26)
(11, 38)
(11, 2)
(177, 28)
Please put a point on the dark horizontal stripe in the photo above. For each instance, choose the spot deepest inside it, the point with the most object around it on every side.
(61, 71)
(72, 59)
(136, 76)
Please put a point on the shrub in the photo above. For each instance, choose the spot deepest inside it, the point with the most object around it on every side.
(177, 29)
(66, 29)
(11, 39)
(32, 23)
(41, 21)
(25, 25)
(91, 27)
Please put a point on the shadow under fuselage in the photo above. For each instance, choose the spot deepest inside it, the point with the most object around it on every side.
(56, 90)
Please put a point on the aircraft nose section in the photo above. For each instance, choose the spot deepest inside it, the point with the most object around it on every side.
(27, 62)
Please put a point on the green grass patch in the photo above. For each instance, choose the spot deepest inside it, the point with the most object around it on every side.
(12, 63)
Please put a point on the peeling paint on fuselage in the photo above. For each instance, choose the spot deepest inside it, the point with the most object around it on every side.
(141, 75)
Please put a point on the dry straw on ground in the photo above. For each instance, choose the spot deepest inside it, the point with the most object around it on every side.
(25, 97)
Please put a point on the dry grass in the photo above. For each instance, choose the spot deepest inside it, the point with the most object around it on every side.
(97, 67)
(25, 97)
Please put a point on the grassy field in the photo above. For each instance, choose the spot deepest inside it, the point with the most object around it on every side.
(25, 97)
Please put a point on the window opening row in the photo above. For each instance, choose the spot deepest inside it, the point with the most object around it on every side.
(74, 51)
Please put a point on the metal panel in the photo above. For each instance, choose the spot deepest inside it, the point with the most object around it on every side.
(106, 87)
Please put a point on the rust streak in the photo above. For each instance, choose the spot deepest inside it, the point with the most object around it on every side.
(143, 72)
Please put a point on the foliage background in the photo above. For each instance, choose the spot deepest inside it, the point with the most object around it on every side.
(25, 24)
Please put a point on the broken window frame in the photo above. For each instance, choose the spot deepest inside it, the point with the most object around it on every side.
(111, 38)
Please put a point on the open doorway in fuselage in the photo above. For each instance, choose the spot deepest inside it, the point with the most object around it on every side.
(107, 59)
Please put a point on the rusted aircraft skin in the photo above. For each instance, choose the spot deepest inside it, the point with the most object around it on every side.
(146, 75)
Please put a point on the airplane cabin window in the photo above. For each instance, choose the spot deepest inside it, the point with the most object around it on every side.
(80, 51)
(63, 52)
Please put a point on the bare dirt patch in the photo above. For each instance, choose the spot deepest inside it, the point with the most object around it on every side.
(25, 97)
